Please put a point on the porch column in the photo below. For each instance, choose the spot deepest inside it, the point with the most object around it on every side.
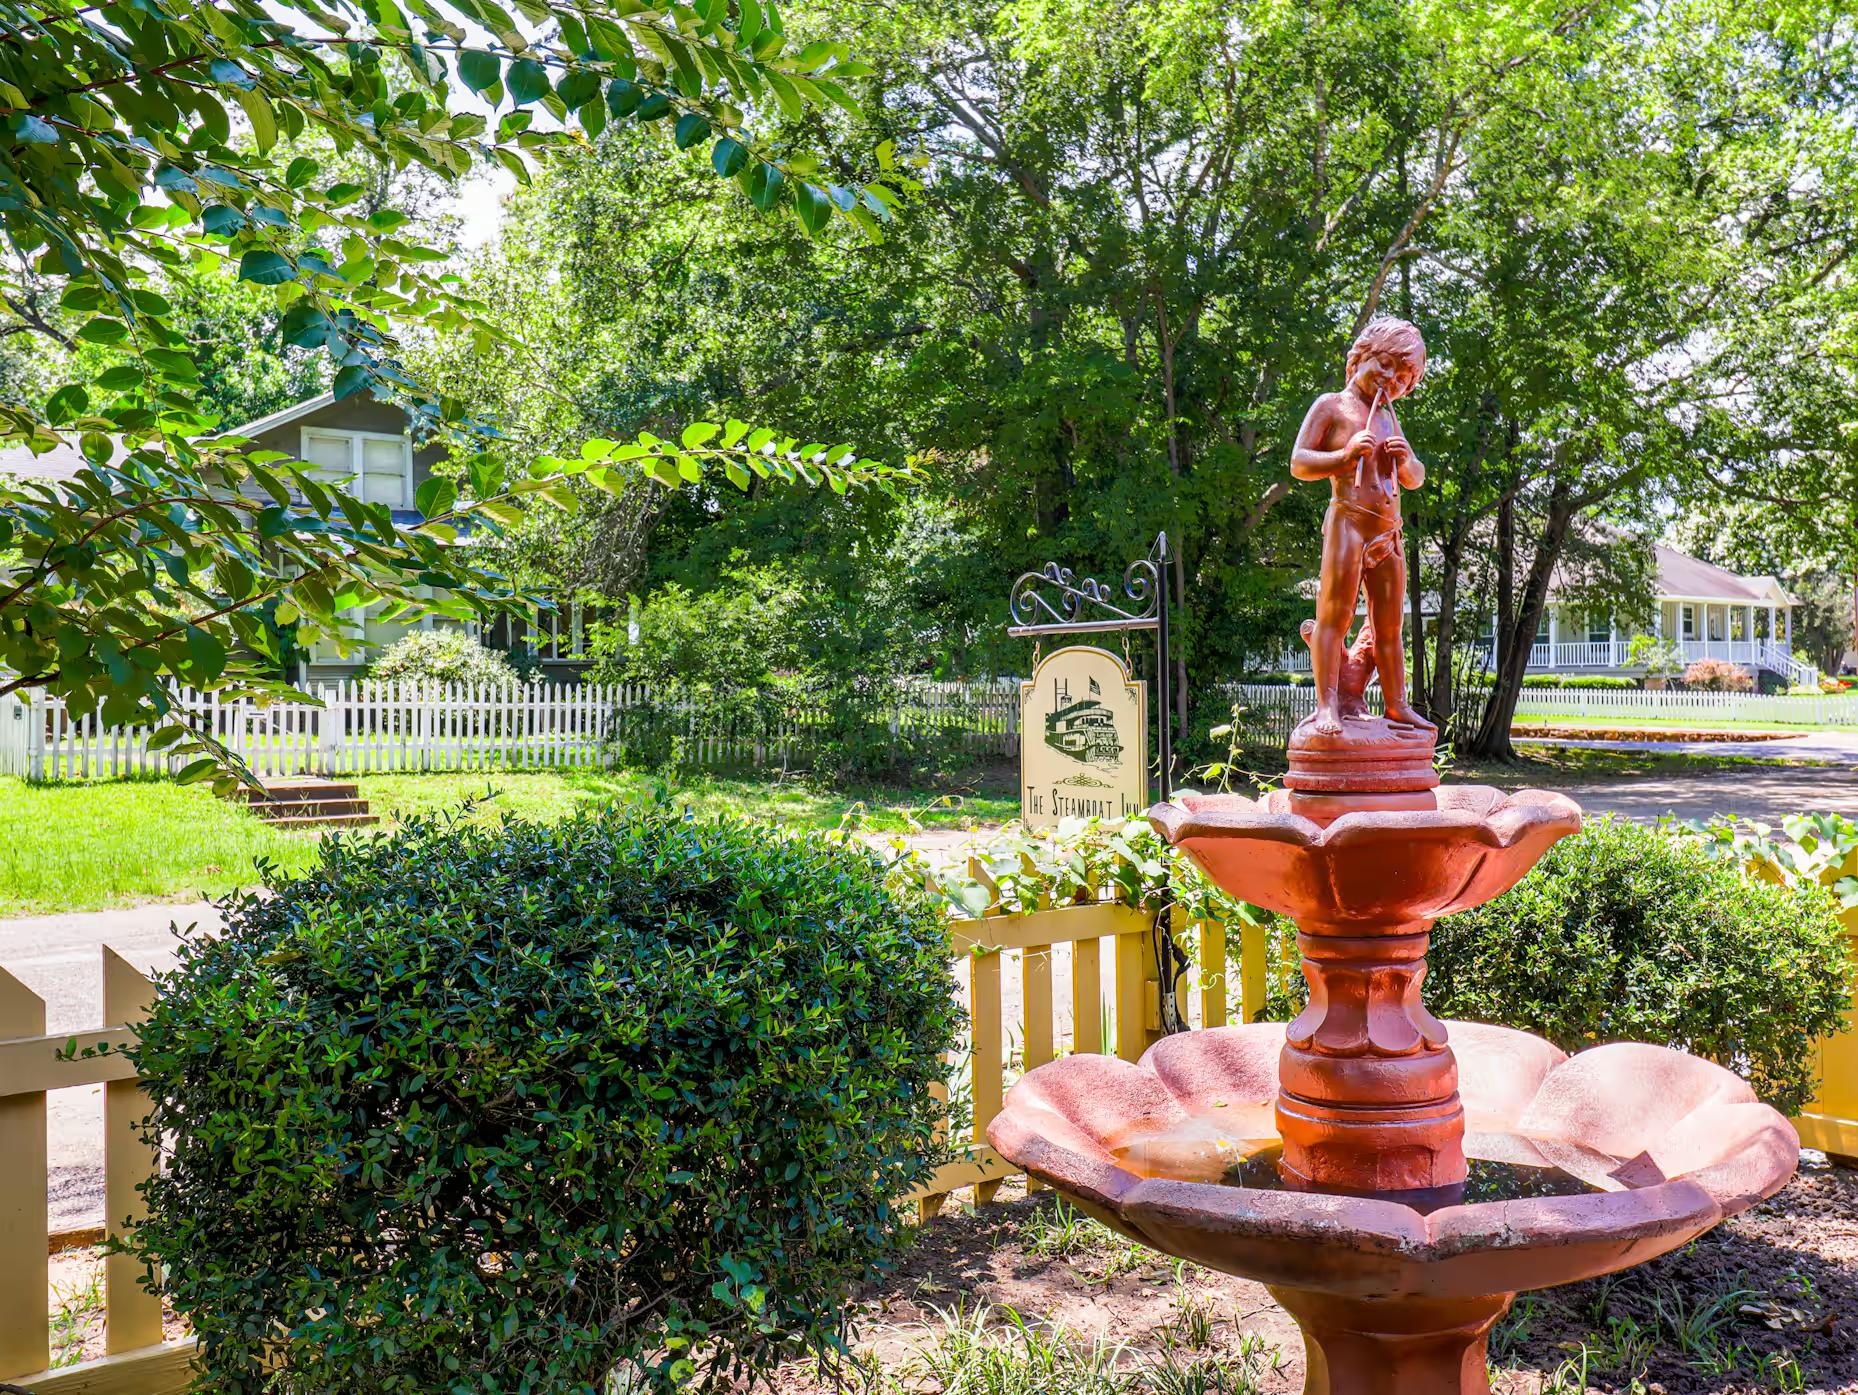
(1554, 636)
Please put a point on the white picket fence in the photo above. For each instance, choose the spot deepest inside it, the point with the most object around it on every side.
(1818, 710)
(365, 728)
(1272, 711)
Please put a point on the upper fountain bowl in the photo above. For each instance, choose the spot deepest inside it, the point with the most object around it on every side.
(1462, 846)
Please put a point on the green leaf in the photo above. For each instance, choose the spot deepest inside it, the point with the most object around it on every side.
(528, 81)
(697, 433)
(33, 130)
(764, 186)
(815, 212)
(436, 496)
(691, 130)
(730, 157)
(69, 401)
(478, 70)
(104, 330)
(266, 267)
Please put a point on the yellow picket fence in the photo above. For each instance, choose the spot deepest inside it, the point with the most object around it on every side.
(137, 1360)
(1125, 1020)
(1830, 1120)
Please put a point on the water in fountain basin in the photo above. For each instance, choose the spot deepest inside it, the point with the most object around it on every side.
(1238, 1146)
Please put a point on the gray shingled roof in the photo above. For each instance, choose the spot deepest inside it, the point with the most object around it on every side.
(59, 463)
(1683, 575)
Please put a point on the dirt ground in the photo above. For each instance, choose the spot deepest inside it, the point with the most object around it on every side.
(1767, 1302)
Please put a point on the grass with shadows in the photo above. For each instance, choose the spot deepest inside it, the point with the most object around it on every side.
(91, 845)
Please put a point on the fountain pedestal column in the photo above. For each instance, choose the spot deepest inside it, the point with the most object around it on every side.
(1368, 1086)
(1356, 1346)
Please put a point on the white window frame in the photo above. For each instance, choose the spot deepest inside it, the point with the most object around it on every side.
(354, 439)
(1687, 621)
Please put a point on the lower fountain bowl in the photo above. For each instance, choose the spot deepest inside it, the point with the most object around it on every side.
(1659, 1147)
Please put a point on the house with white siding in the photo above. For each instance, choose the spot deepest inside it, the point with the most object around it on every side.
(1703, 611)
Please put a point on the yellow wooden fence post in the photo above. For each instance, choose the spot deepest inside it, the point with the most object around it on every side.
(1212, 973)
(132, 1315)
(989, 1054)
(25, 1332)
(1252, 970)
(1830, 1121)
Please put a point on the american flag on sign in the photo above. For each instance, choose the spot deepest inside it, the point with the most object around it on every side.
(1095, 691)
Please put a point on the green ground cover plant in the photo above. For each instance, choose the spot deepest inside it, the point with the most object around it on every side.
(518, 1107)
(1628, 933)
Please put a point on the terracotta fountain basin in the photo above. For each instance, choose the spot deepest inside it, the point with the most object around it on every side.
(1652, 1146)
(1433, 853)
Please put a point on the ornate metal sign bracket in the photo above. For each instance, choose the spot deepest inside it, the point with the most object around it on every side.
(1052, 601)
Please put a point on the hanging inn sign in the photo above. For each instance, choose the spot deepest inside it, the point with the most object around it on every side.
(1083, 739)
(1083, 715)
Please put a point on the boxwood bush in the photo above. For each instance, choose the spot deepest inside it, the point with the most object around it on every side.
(1610, 682)
(512, 1109)
(1624, 933)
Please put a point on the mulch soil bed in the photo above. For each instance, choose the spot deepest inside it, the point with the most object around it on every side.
(1766, 1302)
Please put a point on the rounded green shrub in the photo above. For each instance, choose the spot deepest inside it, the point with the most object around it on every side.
(1624, 933)
(1610, 682)
(507, 1109)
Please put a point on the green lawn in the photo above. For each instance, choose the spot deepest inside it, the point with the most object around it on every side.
(88, 846)
(1652, 725)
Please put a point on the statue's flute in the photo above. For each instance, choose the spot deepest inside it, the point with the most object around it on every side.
(1373, 407)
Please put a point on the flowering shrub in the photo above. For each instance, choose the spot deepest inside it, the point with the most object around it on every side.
(1718, 676)
(442, 656)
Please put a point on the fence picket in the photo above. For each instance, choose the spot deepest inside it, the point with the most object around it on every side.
(131, 1315)
(25, 1335)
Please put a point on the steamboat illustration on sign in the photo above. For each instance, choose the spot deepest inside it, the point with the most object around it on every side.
(1083, 737)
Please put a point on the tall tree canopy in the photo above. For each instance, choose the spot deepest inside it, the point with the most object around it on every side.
(1146, 235)
(147, 141)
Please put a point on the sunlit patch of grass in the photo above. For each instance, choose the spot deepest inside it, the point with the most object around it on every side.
(86, 846)
(89, 845)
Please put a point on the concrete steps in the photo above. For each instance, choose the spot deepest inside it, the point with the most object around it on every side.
(309, 802)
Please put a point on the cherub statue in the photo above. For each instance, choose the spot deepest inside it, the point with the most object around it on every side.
(1352, 439)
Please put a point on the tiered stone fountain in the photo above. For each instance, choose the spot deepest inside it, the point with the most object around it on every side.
(1395, 1180)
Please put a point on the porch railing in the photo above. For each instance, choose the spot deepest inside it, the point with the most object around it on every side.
(1545, 657)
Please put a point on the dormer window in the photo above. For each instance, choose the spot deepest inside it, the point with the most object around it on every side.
(380, 465)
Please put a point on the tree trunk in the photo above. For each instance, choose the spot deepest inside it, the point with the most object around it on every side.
(1492, 741)
(1419, 686)
(1440, 700)
(1506, 580)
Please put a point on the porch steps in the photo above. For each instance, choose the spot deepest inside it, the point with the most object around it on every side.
(307, 802)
